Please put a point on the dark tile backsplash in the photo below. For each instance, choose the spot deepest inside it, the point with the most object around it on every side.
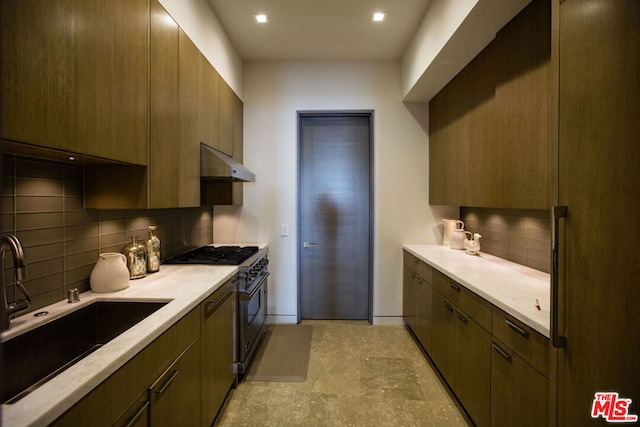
(518, 235)
(42, 204)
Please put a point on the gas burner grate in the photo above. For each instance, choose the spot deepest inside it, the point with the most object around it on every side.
(215, 255)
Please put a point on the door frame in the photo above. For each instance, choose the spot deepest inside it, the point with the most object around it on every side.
(300, 114)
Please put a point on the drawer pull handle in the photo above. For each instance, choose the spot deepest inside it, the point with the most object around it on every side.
(454, 286)
(136, 416)
(412, 274)
(448, 306)
(503, 353)
(461, 317)
(167, 381)
(517, 328)
(415, 260)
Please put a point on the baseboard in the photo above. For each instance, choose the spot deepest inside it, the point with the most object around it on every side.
(279, 318)
(388, 320)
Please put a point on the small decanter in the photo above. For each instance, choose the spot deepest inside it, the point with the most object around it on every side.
(153, 250)
(136, 255)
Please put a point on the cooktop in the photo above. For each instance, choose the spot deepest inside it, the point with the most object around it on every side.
(215, 255)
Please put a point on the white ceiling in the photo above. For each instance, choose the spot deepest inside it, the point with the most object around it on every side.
(320, 29)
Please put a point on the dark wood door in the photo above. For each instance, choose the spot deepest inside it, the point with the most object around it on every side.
(599, 173)
(335, 209)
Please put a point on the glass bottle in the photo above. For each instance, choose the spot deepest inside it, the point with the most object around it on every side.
(136, 254)
(153, 250)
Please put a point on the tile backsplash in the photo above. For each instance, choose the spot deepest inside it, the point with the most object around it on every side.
(518, 235)
(42, 204)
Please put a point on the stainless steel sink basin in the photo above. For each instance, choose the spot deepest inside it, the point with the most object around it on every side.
(31, 359)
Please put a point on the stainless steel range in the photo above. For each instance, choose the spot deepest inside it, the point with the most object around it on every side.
(252, 265)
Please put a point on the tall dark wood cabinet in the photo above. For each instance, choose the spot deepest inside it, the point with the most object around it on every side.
(599, 173)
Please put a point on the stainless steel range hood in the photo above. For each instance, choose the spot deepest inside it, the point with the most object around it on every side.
(217, 166)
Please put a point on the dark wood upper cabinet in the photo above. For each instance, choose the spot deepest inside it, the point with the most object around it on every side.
(75, 78)
(164, 109)
(189, 123)
(209, 104)
(495, 151)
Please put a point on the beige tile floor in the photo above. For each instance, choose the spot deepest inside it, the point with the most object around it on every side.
(359, 375)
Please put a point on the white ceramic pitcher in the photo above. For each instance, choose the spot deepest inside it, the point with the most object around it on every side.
(110, 273)
(449, 226)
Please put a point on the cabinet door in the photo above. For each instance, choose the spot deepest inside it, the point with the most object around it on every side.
(164, 129)
(38, 72)
(520, 149)
(218, 334)
(189, 122)
(176, 396)
(440, 162)
(112, 86)
(423, 311)
(473, 368)
(226, 115)
(443, 336)
(409, 299)
(519, 393)
(209, 111)
(598, 165)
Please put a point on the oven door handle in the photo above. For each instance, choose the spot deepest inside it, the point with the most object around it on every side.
(247, 297)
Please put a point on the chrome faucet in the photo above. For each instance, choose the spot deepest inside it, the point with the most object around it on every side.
(17, 306)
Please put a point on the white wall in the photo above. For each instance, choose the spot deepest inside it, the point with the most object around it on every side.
(199, 22)
(274, 92)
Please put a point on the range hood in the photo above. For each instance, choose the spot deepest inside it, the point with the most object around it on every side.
(217, 166)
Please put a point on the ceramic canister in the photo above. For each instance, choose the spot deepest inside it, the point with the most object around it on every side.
(110, 273)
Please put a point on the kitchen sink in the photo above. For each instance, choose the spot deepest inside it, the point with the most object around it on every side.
(33, 358)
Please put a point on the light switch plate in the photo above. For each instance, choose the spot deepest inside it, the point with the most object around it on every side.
(284, 230)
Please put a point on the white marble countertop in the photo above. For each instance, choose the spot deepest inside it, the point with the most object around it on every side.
(182, 286)
(511, 287)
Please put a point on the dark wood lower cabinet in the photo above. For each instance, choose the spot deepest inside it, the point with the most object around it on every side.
(472, 368)
(519, 393)
(496, 385)
(443, 336)
(175, 397)
(218, 332)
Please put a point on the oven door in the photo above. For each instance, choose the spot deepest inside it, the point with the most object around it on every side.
(252, 312)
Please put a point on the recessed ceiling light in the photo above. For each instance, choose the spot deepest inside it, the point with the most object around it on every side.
(262, 18)
(378, 16)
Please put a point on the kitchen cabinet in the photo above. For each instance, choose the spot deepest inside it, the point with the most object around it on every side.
(519, 373)
(443, 336)
(443, 189)
(75, 77)
(461, 345)
(221, 192)
(225, 135)
(209, 104)
(164, 130)
(418, 298)
(175, 396)
(218, 315)
(472, 368)
(496, 114)
(595, 334)
(121, 393)
(39, 110)
(409, 295)
(188, 122)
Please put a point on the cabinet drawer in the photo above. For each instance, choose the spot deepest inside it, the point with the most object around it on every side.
(526, 342)
(476, 307)
(418, 266)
